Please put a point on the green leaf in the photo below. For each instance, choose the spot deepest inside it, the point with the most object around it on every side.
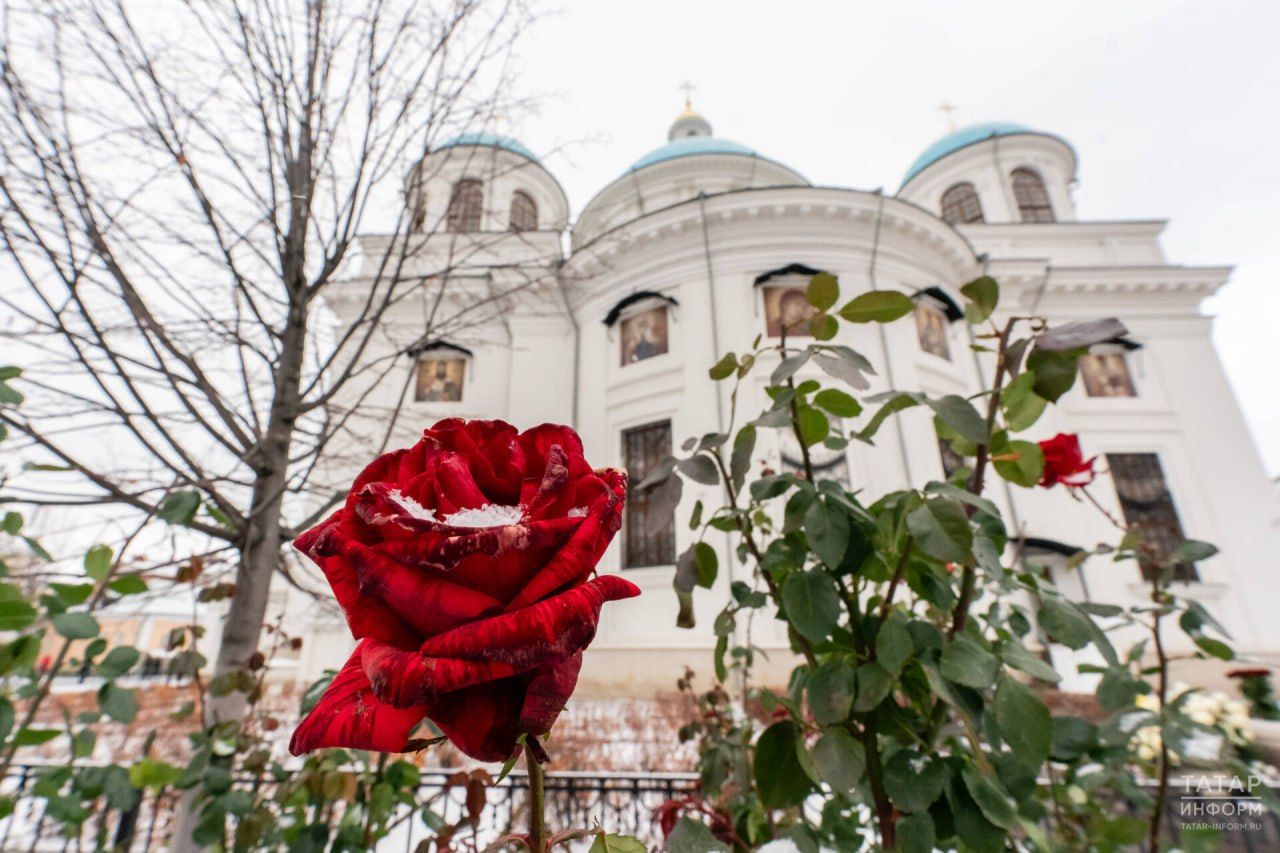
(117, 703)
(724, 368)
(1216, 648)
(609, 843)
(1024, 722)
(7, 717)
(788, 367)
(823, 291)
(916, 833)
(83, 742)
(1072, 738)
(130, 584)
(959, 414)
(780, 780)
(180, 507)
(12, 523)
(1074, 336)
(1065, 623)
(830, 688)
(75, 626)
(894, 405)
(841, 759)
(823, 327)
(965, 662)
(1055, 372)
(812, 603)
(15, 612)
(1193, 551)
(150, 773)
(837, 403)
(877, 306)
(119, 661)
(1022, 405)
(700, 469)
(707, 562)
(845, 364)
(693, 836)
(71, 594)
(97, 562)
(874, 684)
(941, 529)
(1026, 466)
(1019, 657)
(893, 643)
(983, 294)
(913, 780)
(994, 802)
(34, 737)
(812, 425)
(826, 527)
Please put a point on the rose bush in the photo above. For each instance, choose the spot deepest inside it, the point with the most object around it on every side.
(463, 565)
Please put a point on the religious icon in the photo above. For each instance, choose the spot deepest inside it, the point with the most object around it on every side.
(789, 308)
(439, 380)
(931, 328)
(644, 335)
(1106, 374)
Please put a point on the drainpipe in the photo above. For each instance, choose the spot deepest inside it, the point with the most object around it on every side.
(577, 342)
(711, 293)
(884, 340)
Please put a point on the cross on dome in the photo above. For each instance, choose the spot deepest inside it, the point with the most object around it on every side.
(690, 122)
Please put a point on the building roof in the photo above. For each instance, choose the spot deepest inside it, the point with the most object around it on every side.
(962, 138)
(688, 146)
(490, 140)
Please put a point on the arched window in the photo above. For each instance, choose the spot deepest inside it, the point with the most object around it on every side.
(524, 212)
(1029, 192)
(960, 205)
(466, 205)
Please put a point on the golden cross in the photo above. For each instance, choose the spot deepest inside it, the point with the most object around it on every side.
(688, 88)
(949, 109)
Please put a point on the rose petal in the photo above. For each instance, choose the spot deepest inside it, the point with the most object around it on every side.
(349, 715)
(547, 694)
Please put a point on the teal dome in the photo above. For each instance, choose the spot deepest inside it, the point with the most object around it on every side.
(490, 140)
(688, 146)
(962, 138)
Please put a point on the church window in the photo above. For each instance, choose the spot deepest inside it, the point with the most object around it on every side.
(439, 379)
(1148, 506)
(1105, 371)
(643, 449)
(786, 309)
(524, 212)
(960, 205)
(466, 205)
(1032, 198)
(932, 328)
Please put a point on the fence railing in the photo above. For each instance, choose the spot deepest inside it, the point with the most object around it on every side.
(625, 803)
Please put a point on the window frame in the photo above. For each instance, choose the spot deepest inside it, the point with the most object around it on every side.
(660, 545)
(962, 199)
(927, 304)
(1102, 350)
(465, 211)
(442, 354)
(1120, 464)
(1031, 195)
(518, 198)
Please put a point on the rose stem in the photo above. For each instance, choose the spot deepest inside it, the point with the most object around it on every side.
(537, 801)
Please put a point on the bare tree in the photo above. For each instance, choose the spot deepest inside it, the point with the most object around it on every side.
(184, 185)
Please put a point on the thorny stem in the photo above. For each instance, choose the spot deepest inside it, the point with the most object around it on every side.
(537, 801)
(1162, 690)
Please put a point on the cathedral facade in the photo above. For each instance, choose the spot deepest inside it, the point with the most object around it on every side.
(609, 323)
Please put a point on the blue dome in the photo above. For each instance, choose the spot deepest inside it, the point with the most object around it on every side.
(687, 146)
(490, 140)
(958, 139)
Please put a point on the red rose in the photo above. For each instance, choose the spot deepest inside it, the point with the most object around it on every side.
(464, 567)
(1065, 463)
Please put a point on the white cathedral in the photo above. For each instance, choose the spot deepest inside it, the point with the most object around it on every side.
(610, 321)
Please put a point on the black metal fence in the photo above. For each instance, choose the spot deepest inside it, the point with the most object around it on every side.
(621, 802)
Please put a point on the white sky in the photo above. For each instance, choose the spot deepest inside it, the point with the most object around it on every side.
(1173, 108)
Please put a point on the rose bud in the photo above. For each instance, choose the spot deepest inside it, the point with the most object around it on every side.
(1064, 462)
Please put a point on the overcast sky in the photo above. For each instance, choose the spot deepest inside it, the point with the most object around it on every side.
(1173, 108)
